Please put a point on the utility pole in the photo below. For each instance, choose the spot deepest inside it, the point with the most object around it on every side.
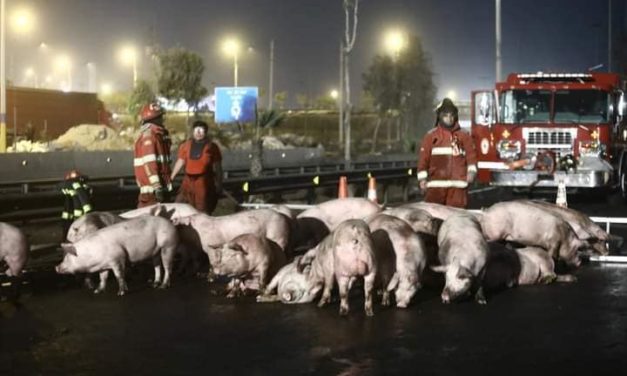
(271, 83)
(609, 36)
(498, 39)
(3, 80)
(341, 99)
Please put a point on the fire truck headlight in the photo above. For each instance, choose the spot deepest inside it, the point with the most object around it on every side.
(509, 149)
(591, 148)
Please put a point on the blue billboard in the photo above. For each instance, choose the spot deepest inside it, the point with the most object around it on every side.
(236, 104)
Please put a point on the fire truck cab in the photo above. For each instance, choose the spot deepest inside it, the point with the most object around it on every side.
(537, 130)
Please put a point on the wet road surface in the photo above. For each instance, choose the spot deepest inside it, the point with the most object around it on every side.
(61, 328)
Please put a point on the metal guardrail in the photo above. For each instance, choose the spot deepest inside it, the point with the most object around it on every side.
(43, 199)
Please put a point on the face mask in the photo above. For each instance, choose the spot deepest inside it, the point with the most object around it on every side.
(448, 120)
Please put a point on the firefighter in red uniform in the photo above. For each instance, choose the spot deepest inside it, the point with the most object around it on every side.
(202, 160)
(152, 157)
(447, 162)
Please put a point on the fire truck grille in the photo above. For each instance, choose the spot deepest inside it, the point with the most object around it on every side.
(550, 138)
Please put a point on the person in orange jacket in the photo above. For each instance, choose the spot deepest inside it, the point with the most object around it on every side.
(152, 157)
(447, 161)
(202, 159)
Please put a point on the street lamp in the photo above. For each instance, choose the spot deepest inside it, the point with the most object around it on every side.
(231, 47)
(452, 95)
(106, 89)
(128, 57)
(22, 22)
(31, 75)
(64, 64)
(334, 94)
(395, 41)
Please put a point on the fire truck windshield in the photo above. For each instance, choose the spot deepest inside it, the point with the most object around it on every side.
(525, 106)
(581, 106)
(570, 106)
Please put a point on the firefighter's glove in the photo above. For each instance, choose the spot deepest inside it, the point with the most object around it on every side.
(423, 185)
(159, 194)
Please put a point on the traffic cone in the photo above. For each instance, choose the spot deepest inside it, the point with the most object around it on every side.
(561, 194)
(372, 190)
(342, 190)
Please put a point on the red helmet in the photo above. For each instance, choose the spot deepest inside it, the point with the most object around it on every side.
(151, 111)
(72, 174)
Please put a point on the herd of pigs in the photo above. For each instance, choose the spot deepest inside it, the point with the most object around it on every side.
(296, 258)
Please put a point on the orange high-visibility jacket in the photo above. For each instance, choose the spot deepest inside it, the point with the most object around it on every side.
(152, 159)
(446, 157)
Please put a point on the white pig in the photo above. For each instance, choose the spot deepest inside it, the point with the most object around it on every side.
(463, 254)
(250, 260)
(13, 249)
(112, 247)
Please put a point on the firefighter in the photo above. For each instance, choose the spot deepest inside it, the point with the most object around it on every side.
(202, 159)
(447, 162)
(152, 157)
(77, 198)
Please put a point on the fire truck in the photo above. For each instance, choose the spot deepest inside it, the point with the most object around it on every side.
(546, 129)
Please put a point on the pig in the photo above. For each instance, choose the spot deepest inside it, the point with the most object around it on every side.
(250, 260)
(408, 254)
(292, 286)
(90, 223)
(419, 220)
(532, 225)
(509, 267)
(463, 253)
(439, 211)
(581, 224)
(169, 211)
(112, 247)
(209, 233)
(345, 254)
(334, 212)
(13, 249)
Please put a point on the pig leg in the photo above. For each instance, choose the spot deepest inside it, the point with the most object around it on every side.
(343, 283)
(167, 257)
(368, 288)
(268, 298)
(118, 271)
(480, 296)
(156, 263)
(326, 293)
(104, 275)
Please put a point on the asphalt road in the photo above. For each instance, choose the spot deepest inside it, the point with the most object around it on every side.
(60, 328)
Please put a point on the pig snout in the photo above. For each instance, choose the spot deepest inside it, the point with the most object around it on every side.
(446, 296)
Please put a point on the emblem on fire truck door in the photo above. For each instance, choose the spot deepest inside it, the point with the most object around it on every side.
(485, 146)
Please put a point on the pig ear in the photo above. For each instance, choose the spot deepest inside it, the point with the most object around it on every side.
(69, 248)
(440, 268)
(238, 248)
(464, 273)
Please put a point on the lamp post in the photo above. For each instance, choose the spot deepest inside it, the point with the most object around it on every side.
(395, 42)
(128, 56)
(231, 47)
(64, 64)
(22, 22)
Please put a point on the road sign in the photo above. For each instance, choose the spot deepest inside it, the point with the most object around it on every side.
(235, 104)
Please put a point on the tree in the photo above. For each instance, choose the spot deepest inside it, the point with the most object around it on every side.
(403, 88)
(267, 119)
(279, 99)
(350, 34)
(142, 94)
(180, 76)
(325, 102)
(303, 101)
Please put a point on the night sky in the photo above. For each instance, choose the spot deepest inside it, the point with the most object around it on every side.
(568, 35)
